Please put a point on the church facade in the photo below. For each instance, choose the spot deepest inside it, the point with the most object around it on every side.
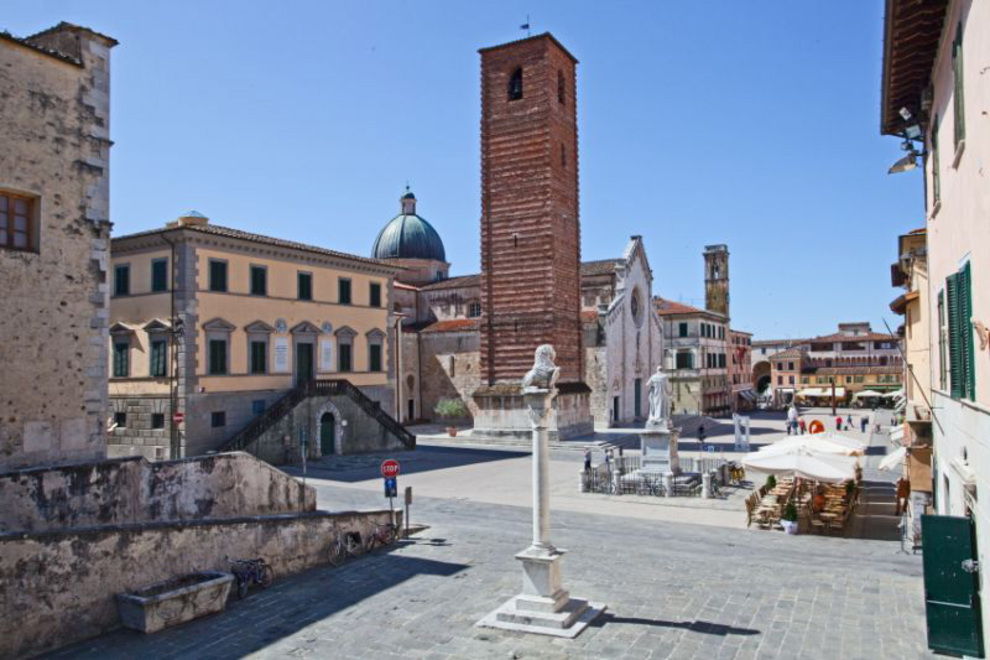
(440, 350)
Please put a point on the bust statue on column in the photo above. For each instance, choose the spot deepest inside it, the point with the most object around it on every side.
(660, 399)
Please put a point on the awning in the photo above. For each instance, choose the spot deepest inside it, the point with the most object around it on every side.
(894, 395)
(825, 443)
(803, 463)
(811, 391)
(867, 393)
(748, 394)
(893, 459)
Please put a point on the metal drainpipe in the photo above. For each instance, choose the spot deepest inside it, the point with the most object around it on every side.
(174, 384)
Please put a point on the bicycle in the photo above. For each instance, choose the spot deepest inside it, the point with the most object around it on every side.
(251, 571)
(381, 535)
(343, 546)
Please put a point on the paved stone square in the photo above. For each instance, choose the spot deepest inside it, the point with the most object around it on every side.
(673, 590)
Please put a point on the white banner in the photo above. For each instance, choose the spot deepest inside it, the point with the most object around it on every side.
(326, 355)
(280, 363)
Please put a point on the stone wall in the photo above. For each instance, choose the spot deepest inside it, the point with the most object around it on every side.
(59, 587)
(356, 432)
(53, 320)
(132, 490)
(450, 364)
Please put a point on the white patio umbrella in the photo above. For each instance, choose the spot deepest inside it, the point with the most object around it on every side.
(867, 393)
(801, 462)
(824, 443)
(893, 459)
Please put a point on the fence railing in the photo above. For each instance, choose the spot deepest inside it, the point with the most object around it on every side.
(623, 476)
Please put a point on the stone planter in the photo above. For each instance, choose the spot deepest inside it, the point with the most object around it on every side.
(175, 601)
(452, 431)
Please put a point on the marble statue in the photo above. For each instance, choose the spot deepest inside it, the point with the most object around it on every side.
(660, 400)
(544, 373)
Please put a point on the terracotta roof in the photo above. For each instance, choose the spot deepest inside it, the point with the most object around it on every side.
(407, 287)
(454, 282)
(545, 35)
(599, 267)
(789, 353)
(911, 33)
(666, 307)
(838, 336)
(227, 232)
(853, 370)
(452, 325)
(778, 342)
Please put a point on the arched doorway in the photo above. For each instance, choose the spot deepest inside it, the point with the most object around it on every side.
(328, 435)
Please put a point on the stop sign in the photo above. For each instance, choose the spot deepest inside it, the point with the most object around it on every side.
(390, 468)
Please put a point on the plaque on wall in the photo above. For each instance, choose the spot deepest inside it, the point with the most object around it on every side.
(280, 361)
(281, 327)
(326, 355)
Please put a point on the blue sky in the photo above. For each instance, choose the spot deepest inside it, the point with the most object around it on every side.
(748, 123)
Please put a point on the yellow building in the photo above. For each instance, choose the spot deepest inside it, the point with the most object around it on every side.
(210, 326)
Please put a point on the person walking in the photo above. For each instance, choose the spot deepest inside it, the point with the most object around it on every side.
(838, 423)
(863, 421)
(587, 459)
(849, 422)
(804, 427)
(701, 434)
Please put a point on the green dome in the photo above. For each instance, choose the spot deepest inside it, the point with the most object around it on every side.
(408, 236)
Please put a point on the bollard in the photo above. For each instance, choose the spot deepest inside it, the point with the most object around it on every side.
(706, 485)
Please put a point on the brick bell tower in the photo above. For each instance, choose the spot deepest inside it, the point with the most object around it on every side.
(717, 279)
(530, 233)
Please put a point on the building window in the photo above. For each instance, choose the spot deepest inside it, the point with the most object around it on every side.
(780, 380)
(121, 359)
(159, 275)
(958, 105)
(218, 419)
(943, 361)
(561, 87)
(790, 366)
(122, 280)
(936, 179)
(516, 85)
(474, 309)
(258, 406)
(304, 286)
(790, 379)
(17, 222)
(685, 360)
(375, 294)
(259, 281)
(259, 356)
(375, 357)
(344, 291)
(961, 354)
(218, 275)
(682, 330)
(218, 357)
(120, 419)
(158, 367)
(344, 357)
(157, 420)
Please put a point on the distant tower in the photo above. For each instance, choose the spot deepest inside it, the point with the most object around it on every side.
(717, 279)
(530, 235)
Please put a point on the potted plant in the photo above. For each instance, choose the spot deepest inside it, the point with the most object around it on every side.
(789, 520)
(771, 482)
(450, 409)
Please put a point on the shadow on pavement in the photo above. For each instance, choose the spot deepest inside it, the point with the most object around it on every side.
(269, 615)
(361, 467)
(704, 627)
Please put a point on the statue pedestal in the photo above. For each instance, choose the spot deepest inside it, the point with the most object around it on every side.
(543, 607)
(658, 449)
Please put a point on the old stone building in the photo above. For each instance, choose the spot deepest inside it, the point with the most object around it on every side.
(213, 326)
(54, 231)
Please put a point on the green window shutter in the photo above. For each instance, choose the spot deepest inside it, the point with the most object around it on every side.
(158, 353)
(955, 337)
(958, 104)
(966, 328)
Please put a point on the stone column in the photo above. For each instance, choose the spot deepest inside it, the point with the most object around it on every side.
(544, 606)
(538, 408)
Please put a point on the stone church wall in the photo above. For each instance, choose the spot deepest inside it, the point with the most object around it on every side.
(449, 368)
(53, 325)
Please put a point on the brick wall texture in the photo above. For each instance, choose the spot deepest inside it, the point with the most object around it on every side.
(530, 234)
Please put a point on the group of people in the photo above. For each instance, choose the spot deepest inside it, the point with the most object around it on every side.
(609, 458)
(796, 425)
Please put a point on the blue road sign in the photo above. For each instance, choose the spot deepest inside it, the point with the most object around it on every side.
(391, 487)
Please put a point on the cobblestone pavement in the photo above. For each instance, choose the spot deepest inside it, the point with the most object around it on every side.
(673, 590)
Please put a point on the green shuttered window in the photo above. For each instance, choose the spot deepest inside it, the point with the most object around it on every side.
(962, 372)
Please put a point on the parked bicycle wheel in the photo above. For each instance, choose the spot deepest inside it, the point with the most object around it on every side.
(338, 552)
(242, 586)
(267, 576)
